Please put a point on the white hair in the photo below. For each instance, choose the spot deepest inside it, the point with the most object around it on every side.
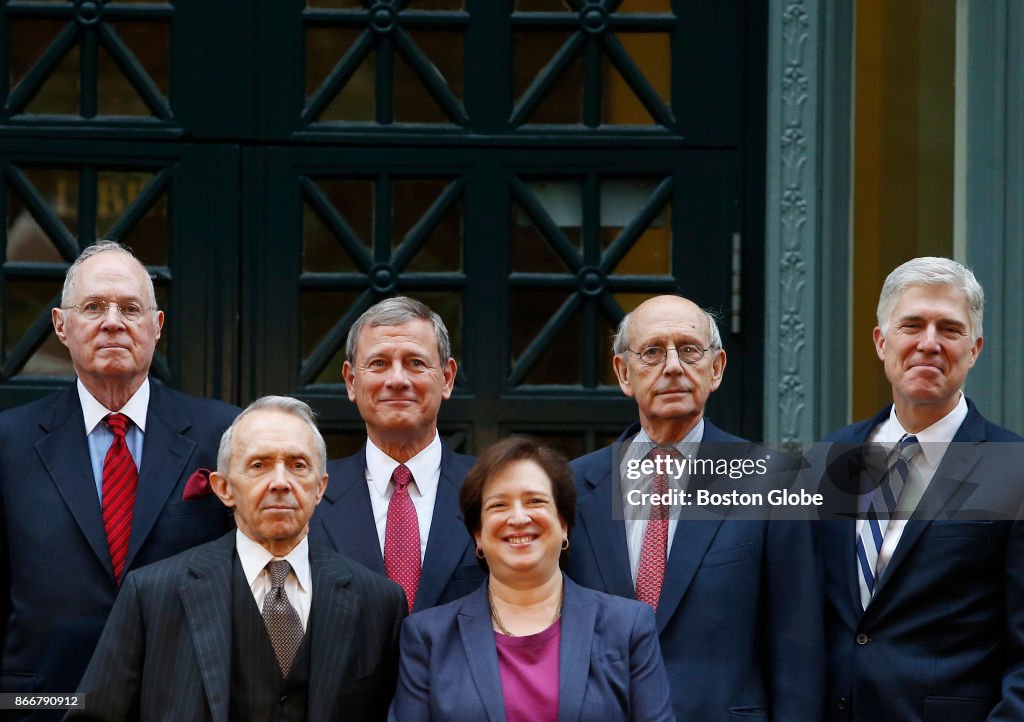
(932, 271)
(94, 250)
(620, 344)
(285, 404)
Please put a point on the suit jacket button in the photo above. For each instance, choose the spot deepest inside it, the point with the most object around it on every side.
(843, 703)
(863, 639)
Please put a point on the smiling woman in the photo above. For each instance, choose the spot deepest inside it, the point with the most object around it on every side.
(536, 645)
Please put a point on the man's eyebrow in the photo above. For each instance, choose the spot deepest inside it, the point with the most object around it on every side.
(948, 321)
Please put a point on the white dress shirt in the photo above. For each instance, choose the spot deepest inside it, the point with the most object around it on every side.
(638, 448)
(426, 473)
(299, 583)
(100, 437)
(934, 440)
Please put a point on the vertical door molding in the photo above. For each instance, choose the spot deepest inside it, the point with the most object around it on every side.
(807, 218)
(994, 199)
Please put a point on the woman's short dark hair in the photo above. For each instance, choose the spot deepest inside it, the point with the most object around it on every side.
(508, 451)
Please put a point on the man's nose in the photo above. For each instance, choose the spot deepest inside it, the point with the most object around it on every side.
(280, 478)
(929, 338)
(673, 364)
(112, 316)
(397, 375)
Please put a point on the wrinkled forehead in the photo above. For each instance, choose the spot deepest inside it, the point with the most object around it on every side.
(669, 323)
(941, 302)
(111, 275)
(273, 433)
(416, 336)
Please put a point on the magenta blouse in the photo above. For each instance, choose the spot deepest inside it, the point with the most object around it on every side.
(529, 674)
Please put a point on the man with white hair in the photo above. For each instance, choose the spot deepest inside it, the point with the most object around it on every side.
(257, 625)
(97, 479)
(735, 599)
(924, 608)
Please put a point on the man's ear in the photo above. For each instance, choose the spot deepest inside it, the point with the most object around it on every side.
(448, 372)
(57, 316)
(222, 489)
(717, 369)
(976, 350)
(321, 488)
(879, 338)
(348, 373)
(622, 374)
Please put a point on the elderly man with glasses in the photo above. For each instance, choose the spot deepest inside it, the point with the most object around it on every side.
(97, 479)
(736, 600)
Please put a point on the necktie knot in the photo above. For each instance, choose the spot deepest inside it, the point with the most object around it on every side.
(117, 423)
(908, 447)
(401, 477)
(278, 570)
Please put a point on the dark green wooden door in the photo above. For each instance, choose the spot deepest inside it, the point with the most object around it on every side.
(530, 169)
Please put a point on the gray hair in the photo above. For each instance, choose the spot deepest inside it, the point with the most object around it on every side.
(620, 344)
(285, 404)
(394, 312)
(94, 250)
(932, 271)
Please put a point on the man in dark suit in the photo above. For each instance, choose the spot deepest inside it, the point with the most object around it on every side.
(924, 606)
(86, 493)
(736, 600)
(398, 370)
(257, 625)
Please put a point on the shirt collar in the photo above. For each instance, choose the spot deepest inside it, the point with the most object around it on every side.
(934, 438)
(254, 558)
(684, 444)
(425, 468)
(94, 412)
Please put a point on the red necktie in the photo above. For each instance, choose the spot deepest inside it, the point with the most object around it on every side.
(651, 572)
(402, 536)
(120, 477)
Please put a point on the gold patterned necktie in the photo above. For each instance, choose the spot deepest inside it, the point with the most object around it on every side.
(283, 623)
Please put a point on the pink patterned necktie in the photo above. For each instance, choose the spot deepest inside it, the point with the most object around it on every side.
(402, 536)
(120, 478)
(651, 573)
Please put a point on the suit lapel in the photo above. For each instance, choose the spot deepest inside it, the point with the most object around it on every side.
(691, 542)
(954, 469)
(64, 453)
(577, 637)
(446, 544)
(607, 534)
(481, 652)
(689, 545)
(349, 520)
(841, 536)
(206, 598)
(334, 613)
(165, 452)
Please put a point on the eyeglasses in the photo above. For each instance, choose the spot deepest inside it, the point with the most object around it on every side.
(689, 353)
(131, 311)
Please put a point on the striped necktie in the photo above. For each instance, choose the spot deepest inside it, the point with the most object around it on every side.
(120, 478)
(879, 512)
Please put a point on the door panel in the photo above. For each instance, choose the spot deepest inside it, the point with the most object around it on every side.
(174, 207)
(531, 169)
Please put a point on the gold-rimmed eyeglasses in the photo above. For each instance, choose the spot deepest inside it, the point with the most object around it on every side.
(97, 308)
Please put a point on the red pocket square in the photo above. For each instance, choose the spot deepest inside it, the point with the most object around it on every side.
(197, 485)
